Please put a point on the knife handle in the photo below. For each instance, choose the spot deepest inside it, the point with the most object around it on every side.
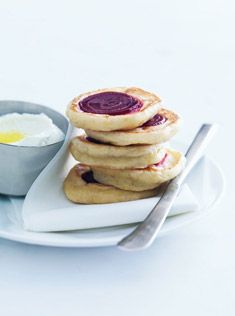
(146, 232)
(196, 149)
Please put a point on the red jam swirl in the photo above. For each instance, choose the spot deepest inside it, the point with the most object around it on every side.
(92, 140)
(158, 119)
(88, 177)
(111, 103)
(161, 162)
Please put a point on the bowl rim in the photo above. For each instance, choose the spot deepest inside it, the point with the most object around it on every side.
(42, 106)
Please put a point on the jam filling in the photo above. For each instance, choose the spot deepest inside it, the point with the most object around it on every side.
(158, 119)
(111, 103)
(92, 140)
(88, 177)
(161, 162)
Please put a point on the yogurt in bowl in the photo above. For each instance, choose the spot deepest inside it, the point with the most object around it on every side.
(30, 136)
(29, 130)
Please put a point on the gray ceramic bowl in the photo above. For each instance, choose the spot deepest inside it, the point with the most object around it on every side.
(20, 165)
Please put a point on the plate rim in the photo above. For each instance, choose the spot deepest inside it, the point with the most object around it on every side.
(188, 218)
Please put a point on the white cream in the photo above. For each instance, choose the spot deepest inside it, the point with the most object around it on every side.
(29, 130)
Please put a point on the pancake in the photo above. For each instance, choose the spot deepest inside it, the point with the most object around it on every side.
(142, 179)
(113, 109)
(88, 151)
(80, 187)
(162, 127)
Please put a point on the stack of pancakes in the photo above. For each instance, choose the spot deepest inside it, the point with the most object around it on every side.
(121, 154)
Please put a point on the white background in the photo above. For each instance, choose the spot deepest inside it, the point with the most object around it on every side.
(184, 50)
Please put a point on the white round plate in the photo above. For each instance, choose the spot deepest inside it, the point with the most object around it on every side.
(205, 181)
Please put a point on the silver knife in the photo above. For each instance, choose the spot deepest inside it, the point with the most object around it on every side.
(143, 236)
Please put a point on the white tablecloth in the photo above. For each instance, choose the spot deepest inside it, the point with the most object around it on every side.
(50, 51)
